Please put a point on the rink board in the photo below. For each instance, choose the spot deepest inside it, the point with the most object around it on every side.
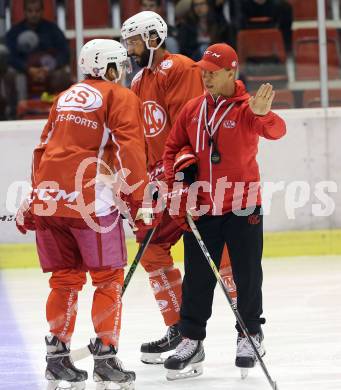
(305, 243)
(308, 156)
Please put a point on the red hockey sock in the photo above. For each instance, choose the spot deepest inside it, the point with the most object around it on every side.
(61, 305)
(61, 312)
(226, 273)
(107, 305)
(166, 285)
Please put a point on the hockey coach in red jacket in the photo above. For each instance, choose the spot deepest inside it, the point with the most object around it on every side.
(222, 130)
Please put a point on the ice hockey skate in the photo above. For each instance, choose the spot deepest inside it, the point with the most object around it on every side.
(60, 371)
(246, 357)
(151, 352)
(108, 369)
(187, 360)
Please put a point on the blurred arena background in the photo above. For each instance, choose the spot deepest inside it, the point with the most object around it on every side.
(293, 44)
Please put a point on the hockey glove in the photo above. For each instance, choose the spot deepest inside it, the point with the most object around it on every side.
(187, 163)
(143, 218)
(24, 219)
(156, 177)
(157, 172)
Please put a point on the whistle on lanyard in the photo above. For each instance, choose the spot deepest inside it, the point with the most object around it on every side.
(215, 155)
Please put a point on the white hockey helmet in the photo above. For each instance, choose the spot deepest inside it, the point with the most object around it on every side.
(96, 54)
(143, 24)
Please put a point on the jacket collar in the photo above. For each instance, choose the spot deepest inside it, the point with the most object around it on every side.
(240, 95)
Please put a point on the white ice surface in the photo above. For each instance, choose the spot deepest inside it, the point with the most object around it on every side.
(302, 304)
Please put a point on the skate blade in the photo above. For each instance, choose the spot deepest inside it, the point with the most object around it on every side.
(64, 385)
(190, 371)
(244, 372)
(152, 358)
(115, 386)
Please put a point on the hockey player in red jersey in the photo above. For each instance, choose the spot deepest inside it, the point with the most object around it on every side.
(94, 122)
(165, 84)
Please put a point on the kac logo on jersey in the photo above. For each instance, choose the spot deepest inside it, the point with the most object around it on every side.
(166, 64)
(229, 124)
(155, 118)
(80, 97)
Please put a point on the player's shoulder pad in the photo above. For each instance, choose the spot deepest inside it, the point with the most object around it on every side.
(122, 95)
(137, 77)
(126, 92)
(175, 63)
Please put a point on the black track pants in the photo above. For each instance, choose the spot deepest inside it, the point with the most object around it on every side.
(244, 238)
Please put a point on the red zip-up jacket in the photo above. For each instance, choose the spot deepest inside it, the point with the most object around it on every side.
(228, 184)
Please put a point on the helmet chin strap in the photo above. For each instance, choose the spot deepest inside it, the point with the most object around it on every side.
(151, 57)
(151, 52)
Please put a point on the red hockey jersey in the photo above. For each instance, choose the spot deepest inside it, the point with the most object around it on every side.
(91, 122)
(164, 91)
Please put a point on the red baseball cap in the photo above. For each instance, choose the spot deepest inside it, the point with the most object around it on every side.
(218, 56)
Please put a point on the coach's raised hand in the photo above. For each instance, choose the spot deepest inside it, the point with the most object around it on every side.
(261, 103)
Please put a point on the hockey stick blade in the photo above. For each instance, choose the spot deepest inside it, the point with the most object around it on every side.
(82, 353)
(229, 299)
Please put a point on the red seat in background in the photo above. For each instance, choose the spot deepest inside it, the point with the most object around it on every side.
(93, 17)
(307, 9)
(17, 10)
(312, 98)
(262, 54)
(284, 99)
(96, 14)
(306, 54)
(260, 43)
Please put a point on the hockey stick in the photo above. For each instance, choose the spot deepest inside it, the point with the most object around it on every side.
(82, 353)
(138, 257)
(227, 295)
